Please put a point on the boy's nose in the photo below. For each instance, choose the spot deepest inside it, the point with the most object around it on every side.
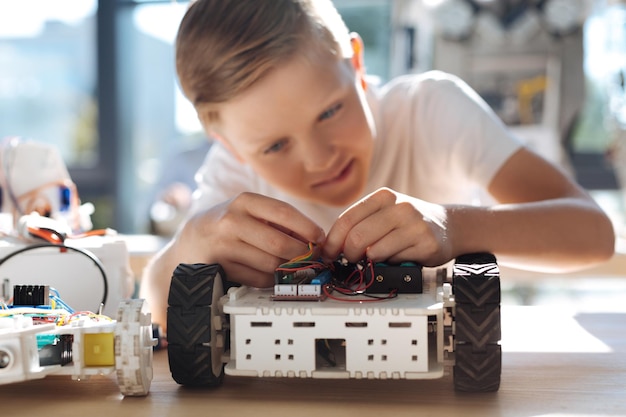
(318, 155)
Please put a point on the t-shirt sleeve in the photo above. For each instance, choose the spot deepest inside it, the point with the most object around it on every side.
(220, 178)
(476, 141)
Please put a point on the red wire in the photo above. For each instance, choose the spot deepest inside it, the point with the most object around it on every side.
(360, 300)
(96, 232)
(47, 235)
(311, 265)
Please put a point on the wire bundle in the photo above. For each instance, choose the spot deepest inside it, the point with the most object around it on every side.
(57, 312)
(354, 284)
(303, 261)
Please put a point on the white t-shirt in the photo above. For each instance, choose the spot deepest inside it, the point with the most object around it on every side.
(436, 140)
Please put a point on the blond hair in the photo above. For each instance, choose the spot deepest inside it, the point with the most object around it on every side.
(225, 46)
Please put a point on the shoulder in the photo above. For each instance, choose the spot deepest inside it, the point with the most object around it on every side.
(221, 169)
(423, 82)
(426, 101)
(430, 86)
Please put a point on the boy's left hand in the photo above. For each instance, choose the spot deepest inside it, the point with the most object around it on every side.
(391, 226)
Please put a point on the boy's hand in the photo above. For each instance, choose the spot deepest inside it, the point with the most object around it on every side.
(387, 225)
(250, 235)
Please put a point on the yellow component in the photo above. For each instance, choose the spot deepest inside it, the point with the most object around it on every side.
(99, 349)
(527, 89)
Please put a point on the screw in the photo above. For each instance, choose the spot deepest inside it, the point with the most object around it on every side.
(407, 278)
(379, 278)
(5, 359)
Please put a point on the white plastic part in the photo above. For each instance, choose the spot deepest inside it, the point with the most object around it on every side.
(381, 339)
(18, 347)
(133, 347)
(217, 329)
(20, 342)
(72, 274)
(131, 337)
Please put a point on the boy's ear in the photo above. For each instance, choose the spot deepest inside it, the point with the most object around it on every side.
(227, 145)
(357, 57)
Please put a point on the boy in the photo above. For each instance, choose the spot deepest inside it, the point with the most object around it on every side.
(307, 152)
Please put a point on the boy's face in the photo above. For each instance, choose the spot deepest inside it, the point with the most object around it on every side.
(306, 128)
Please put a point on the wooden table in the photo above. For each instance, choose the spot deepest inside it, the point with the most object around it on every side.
(555, 363)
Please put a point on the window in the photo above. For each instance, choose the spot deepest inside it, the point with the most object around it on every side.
(96, 78)
(605, 66)
(48, 75)
(48, 86)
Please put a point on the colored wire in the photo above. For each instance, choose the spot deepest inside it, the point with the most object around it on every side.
(53, 236)
(352, 286)
(55, 300)
(95, 232)
(46, 234)
(370, 297)
(303, 261)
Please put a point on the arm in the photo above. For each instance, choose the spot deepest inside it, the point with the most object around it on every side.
(542, 221)
(249, 236)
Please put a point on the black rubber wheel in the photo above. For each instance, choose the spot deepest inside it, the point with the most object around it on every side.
(195, 325)
(477, 332)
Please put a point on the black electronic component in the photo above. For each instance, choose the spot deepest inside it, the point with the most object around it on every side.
(405, 278)
(31, 295)
(57, 353)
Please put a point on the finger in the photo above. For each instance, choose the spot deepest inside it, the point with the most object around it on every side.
(372, 231)
(397, 246)
(247, 264)
(336, 239)
(286, 218)
(244, 238)
(415, 241)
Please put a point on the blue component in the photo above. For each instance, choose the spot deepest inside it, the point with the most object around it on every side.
(406, 263)
(61, 304)
(65, 196)
(322, 278)
(43, 307)
(46, 339)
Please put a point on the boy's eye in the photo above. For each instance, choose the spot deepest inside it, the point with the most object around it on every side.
(330, 112)
(275, 147)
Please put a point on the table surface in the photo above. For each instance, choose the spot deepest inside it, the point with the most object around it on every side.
(555, 363)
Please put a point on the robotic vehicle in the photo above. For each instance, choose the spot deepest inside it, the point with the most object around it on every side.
(364, 320)
(40, 335)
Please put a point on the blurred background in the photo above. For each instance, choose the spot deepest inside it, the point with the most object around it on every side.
(96, 79)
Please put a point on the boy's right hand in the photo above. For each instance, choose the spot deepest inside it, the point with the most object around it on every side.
(249, 236)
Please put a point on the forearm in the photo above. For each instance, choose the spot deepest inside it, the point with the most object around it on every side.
(551, 235)
(156, 277)
(155, 283)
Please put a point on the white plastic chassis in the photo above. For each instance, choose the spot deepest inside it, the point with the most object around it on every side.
(455, 321)
(393, 338)
(133, 343)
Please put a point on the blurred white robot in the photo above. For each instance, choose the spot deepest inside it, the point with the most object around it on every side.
(41, 216)
(34, 179)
